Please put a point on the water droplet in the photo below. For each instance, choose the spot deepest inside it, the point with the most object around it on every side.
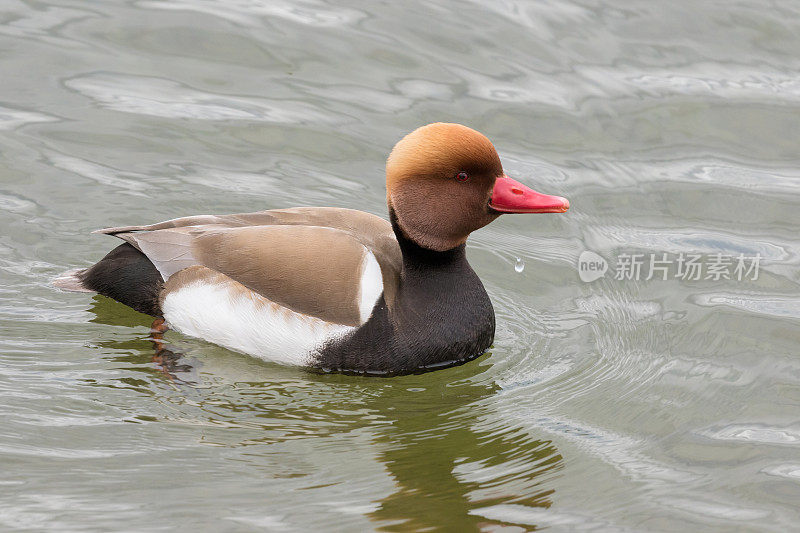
(519, 265)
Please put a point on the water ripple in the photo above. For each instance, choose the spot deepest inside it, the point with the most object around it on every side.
(165, 98)
(778, 306)
(788, 470)
(248, 12)
(756, 434)
(11, 119)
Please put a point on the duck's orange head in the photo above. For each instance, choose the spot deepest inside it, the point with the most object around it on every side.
(444, 181)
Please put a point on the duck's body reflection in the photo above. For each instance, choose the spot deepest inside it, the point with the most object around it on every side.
(447, 452)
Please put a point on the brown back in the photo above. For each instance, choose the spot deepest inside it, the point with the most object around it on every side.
(306, 259)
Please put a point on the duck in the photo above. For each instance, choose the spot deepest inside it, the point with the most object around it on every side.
(327, 288)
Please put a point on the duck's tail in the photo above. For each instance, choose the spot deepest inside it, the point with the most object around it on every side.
(124, 274)
(72, 280)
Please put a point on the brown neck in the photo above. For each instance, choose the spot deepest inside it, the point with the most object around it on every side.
(415, 254)
(428, 227)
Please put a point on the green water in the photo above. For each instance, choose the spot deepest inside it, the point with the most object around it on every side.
(638, 405)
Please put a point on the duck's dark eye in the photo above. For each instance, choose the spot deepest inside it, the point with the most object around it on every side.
(462, 176)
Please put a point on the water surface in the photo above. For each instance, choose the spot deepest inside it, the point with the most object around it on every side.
(615, 405)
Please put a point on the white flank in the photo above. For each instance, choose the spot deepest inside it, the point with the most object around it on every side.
(371, 286)
(247, 323)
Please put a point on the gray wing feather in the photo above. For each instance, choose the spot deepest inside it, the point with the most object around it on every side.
(170, 244)
(169, 250)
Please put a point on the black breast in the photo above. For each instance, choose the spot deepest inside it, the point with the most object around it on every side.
(440, 317)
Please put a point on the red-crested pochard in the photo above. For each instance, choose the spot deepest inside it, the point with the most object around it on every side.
(329, 288)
